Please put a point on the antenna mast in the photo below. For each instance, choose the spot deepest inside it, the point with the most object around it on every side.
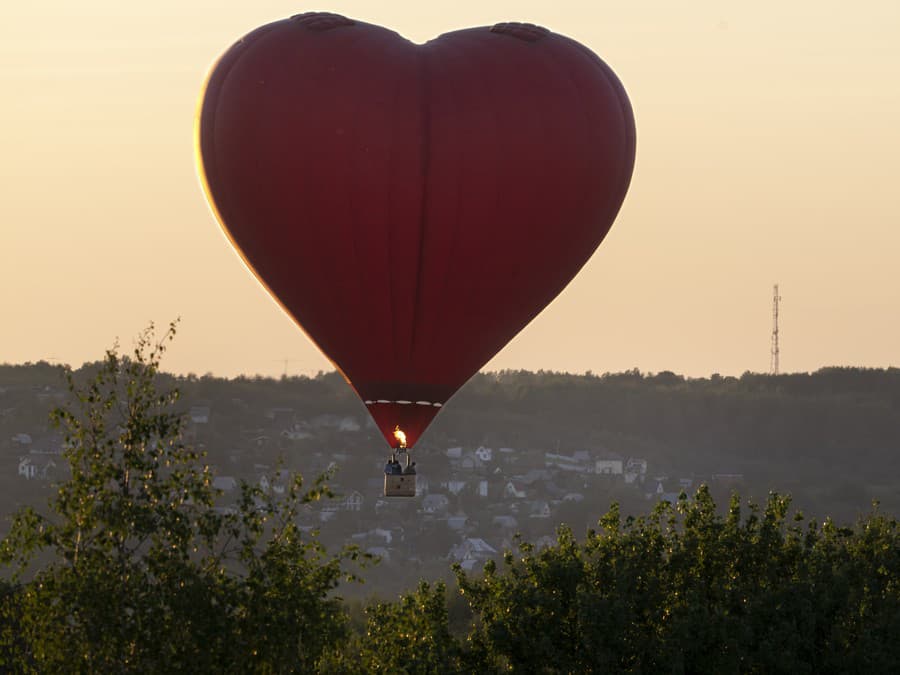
(773, 362)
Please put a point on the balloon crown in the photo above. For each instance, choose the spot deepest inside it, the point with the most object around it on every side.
(524, 31)
(320, 21)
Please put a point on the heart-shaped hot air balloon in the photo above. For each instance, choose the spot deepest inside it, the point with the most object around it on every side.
(413, 207)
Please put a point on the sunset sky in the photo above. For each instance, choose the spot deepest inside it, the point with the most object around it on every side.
(768, 152)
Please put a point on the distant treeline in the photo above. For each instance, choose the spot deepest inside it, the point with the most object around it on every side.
(831, 438)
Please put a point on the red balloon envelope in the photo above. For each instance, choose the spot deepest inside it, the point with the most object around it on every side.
(413, 207)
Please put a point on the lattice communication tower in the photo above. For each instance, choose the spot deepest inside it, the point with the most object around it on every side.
(773, 362)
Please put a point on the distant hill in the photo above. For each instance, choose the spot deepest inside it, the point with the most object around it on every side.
(830, 438)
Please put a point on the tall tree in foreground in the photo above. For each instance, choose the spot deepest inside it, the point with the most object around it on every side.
(134, 568)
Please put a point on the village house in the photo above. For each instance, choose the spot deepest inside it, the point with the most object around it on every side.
(36, 468)
(635, 469)
(579, 462)
(454, 485)
(434, 504)
(199, 414)
(380, 552)
(539, 509)
(514, 489)
(282, 418)
(610, 464)
(342, 423)
(352, 502)
(505, 522)
(507, 456)
(661, 493)
(484, 454)
(482, 489)
(470, 461)
(27, 468)
(224, 483)
(533, 476)
(297, 432)
(457, 522)
(471, 552)
(421, 485)
(378, 536)
(348, 425)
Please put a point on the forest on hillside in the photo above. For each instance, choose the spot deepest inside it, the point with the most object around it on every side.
(831, 438)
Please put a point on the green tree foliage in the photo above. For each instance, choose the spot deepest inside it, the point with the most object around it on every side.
(135, 569)
(409, 636)
(687, 590)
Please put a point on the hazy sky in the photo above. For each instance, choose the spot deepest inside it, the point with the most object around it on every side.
(768, 152)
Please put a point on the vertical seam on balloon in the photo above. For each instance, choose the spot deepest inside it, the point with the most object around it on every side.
(350, 183)
(489, 89)
(489, 79)
(588, 122)
(363, 280)
(440, 296)
(389, 225)
(425, 95)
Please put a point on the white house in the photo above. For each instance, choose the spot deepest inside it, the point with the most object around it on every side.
(507, 522)
(199, 414)
(224, 483)
(454, 485)
(579, 462)
(457, 522)
(380, 552)
(470, 462)
(348, 424)
(27, 468)
(609, 465)
(31, 468)
(539, 509)
(435, 503)
(534, 475)
(472, 550)
(352, 502)
(513, 489)
(635, 469)
(297, 432)
(484, 454)
(637, 464)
